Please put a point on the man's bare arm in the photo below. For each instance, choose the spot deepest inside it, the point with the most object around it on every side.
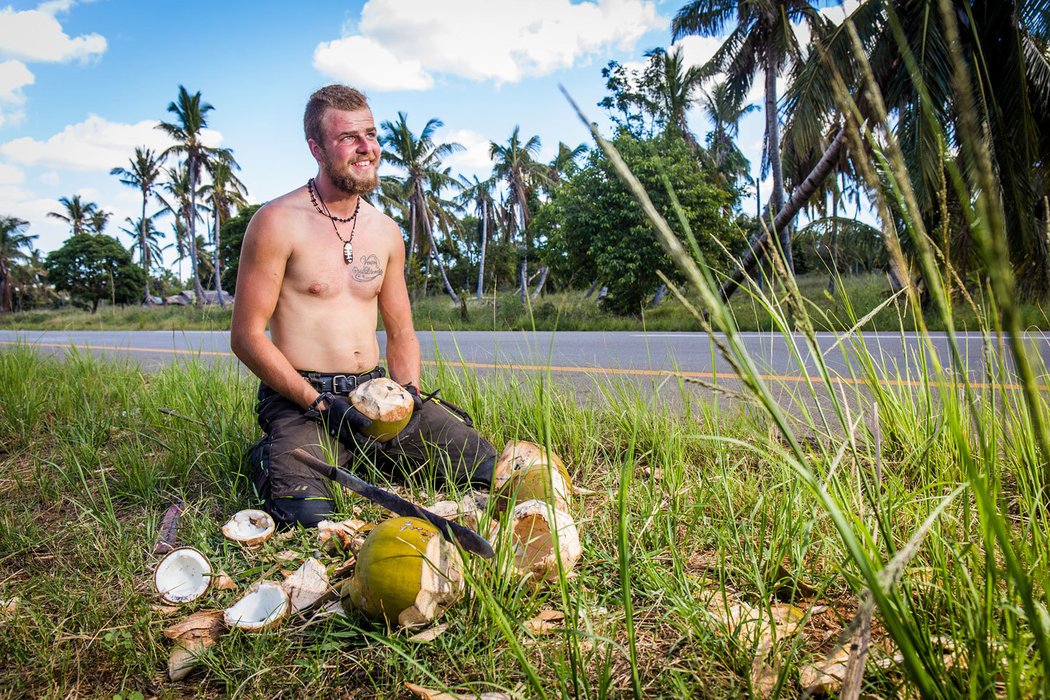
(264, 256)
(402, 347)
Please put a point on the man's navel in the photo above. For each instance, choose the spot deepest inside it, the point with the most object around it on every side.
(317, 288)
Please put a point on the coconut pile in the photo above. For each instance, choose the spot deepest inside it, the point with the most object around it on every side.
(400, 572)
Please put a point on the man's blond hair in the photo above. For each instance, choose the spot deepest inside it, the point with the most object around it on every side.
(333, 96)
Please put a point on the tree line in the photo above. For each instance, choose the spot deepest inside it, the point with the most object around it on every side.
(533, 226)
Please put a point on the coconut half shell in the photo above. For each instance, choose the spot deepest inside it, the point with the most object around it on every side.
(386, 403)
(534, 525)
(265, 605)
(249, 527)
(192, 636)
(184, 574)
(526, 471)
(520, 455)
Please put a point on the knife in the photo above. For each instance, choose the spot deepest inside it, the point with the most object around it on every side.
(453, 532)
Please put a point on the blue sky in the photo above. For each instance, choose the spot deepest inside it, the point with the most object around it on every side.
(83, 83)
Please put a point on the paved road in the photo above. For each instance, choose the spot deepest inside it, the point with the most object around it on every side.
(570, 354)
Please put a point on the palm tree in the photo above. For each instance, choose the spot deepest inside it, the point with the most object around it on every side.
(191, 118)
(674, 89)
(515, 164)
(98, 221)
(564, 161)
(180, 204)
(225, 192)
(420, 158)
(1003, 47)
(479, 194)
(143, 174)
(762, 40)
(77, 213)
(12, 241)
(145, 239)
(725, 116)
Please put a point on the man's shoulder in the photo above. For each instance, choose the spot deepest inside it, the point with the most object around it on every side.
(278, 213)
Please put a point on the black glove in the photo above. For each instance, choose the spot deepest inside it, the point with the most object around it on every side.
(416, 398)
(341, 420)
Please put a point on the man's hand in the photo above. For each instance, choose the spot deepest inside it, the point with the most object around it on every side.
(341, 420)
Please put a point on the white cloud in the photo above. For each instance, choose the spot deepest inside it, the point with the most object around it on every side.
(479, 39)
(10, 175)
(94, 144)
(474, 158)
(13, 77)
(35, 35)
(50, 178)
(368, 64)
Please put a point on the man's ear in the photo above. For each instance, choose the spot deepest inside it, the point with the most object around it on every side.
(315, 150)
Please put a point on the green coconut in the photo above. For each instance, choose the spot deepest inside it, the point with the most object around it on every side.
(387, 404)
(526, 471)
(406, 574)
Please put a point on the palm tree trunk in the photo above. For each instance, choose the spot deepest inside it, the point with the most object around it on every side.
(5, 286)
(434, 253)
(484, 242)
(215, 260)
(198, 290)
(773, 141)
(799, 197)
(524, 250)
(142, 242)
(539, 285)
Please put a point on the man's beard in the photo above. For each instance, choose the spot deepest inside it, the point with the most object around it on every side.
(347, 184)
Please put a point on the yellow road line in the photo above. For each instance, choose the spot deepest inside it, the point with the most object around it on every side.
(710, 376)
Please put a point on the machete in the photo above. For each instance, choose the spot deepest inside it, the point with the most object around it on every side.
(453, 532)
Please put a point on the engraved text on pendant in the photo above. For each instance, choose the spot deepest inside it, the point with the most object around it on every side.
(348, 252)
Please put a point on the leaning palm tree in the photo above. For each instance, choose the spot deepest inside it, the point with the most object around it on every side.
(516, 165)
(420, 159)
(225, 193)
(479, 194)
(191, 118)
(77, 213)
(762, 40)
(13, 240)
(143, 174)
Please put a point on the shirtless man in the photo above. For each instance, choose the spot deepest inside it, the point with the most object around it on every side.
(317, 264)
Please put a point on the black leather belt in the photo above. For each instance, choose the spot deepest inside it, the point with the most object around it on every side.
(340, 383)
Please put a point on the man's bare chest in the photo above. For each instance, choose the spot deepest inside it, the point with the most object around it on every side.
(317, 268)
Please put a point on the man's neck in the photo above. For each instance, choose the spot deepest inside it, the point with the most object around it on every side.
(338, 202)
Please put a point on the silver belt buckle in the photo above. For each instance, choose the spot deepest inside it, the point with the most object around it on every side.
(335, 380)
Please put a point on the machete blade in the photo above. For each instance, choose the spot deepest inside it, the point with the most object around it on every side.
(453, 532)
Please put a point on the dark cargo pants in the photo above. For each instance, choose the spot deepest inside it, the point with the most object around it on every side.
(444, 442)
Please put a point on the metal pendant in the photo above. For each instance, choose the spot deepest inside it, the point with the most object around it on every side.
(348, 252)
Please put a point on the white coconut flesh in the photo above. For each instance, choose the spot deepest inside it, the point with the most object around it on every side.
(182, 575)
(534, 540)
(265, 604)
(383, 400)
(249, 527)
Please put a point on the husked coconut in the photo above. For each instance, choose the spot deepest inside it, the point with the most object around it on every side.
(184, 574)
(534, 526)
(406, 573)
(265, 605)
(249, 527)
(306, 585)
(525, 471)
(386, 403)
